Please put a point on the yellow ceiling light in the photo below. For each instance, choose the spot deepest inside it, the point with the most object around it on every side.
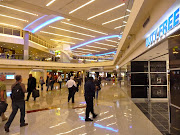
(112, 41)
(119, 26)
(52, 1)
(128, 10)
(5, 24)
(14, 18)
(79, 51)
(115, 19)
(88, 50)
(106, 11)
(97, 47)
(81, 6)
(18, 10)
(60, 35)
(105, 44)
(62, 41)
(84, 28)
(72, 31)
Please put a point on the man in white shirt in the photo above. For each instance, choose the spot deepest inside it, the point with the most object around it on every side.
(70, 83)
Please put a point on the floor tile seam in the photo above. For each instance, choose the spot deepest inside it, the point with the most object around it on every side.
(157, 121)
(163, 116)
(152, 117)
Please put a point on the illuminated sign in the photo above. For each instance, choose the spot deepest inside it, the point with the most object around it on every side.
(164, 29)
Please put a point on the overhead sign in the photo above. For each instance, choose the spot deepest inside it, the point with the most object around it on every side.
(164, 29)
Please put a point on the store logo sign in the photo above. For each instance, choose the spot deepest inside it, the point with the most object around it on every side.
(164, 28)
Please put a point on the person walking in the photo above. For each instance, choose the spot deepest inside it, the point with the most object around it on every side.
(97, 87)
(89, 95)
(41, 81)
(3, 96)
(71, 84)
(59, 81)
(31, 86)
(17, 96)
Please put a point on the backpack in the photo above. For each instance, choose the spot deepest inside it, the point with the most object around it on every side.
(17, 93)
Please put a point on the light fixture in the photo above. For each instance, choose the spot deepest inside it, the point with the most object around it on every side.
(72, 31)
(52, 1)
(84, 28)
(18, 10)
(81, 6)
(88, 50)
(106, 53)
(5, 24)
(47, 23)
(106, 11)
(13, 18)
(97, 47)
(115, 19)
(105, 44)
(34, 22)
(128, 10)
(94, 40)
(62, 41)
(119, 26)
(124, 22)
(61, 35)
(112, 41)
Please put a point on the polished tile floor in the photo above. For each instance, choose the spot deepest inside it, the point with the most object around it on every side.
(157, 113)
(51, 114)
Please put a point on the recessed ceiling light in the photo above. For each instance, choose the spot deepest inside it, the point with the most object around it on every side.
(97, 47)
(81, 6)
(105, 44)
(18, 10)
(13, 18)
(60, 35)
(106, 11)
(119, 26)
(128, 10)
(88, 50)
(84, 28)
(52, 1)
(115, 19)
(72, 31)
(112, 41)
(5, 24)
(62, 41)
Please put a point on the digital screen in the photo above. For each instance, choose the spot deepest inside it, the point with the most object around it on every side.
(9, 76)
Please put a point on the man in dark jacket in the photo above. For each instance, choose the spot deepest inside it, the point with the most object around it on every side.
(89, 95)
(18, 90)
(31, 86)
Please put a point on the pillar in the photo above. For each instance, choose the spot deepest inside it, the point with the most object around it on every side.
(26, 45)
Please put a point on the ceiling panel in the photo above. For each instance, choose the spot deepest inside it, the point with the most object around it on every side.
(78, 18)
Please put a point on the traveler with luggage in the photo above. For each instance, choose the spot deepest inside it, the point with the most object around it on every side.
(3, 97)
(31, 86)
(17, 96)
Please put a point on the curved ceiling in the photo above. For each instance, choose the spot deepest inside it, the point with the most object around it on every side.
(84, 20)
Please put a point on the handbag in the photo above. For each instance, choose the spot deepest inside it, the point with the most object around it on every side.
(35, 93)
(3, 107)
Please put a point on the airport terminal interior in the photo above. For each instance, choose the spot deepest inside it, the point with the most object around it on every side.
(120, 57)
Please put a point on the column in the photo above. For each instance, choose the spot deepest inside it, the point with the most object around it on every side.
(26, 45)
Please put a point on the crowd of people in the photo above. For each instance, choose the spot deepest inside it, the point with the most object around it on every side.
(18, 91)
